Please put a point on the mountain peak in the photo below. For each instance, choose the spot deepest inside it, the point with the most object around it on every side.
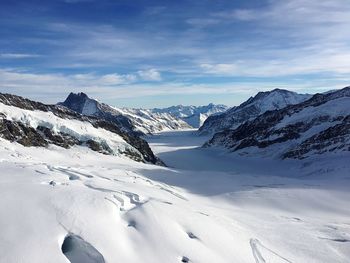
(263, 101)
(80, 102)
(75, 96)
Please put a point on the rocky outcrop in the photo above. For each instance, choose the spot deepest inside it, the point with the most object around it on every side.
(82, 104)
(250, 109)
(315, 126)
(25, 134)
(332, 139)
(18, 132)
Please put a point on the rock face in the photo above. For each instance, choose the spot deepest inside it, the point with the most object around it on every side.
(136, 121)
(82, 104)
(315, 126)
(253, 107)
(193, 115)
(33, 123)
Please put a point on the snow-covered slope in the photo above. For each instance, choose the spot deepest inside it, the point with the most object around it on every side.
(316, 126)
(149, 122)
(75, 205)
(193, 115)
(140, 121)
(248, 110)
(35, 124)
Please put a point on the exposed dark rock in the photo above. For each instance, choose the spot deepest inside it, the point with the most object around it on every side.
(76, 103)
(42, 136)
(331, 139)
(61, 139)
(20, 133)
(250, 109)
(265, 130)
(99, 147)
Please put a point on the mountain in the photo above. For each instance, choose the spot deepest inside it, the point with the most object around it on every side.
(139, 121)
(63, 203)
(193, 115)
(32, 123)
(248, 110)
(148, 122)
(316, 126)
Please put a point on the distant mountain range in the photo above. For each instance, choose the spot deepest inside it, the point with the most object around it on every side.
(277, 123)
(143, 121)
(318, 125)
(193, 115)
(137, 121)
(250, 109)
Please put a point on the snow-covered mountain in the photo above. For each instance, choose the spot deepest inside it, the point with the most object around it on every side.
(316, 126)
(193, 115)
(248, 110)
(140, 121)
(149, 122)
(66, 203)
(32, 123)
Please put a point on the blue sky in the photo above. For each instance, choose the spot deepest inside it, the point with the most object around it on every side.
(160, 53)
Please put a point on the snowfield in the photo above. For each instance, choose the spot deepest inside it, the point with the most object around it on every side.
(75, 205)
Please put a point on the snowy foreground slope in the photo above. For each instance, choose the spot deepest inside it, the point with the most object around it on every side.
(76, 205)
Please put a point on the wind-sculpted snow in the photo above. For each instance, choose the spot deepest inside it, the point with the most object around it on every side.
(78, 250)
(317, 126)
(248, 110)
(75, 205)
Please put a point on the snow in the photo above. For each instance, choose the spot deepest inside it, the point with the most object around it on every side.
(193, 115)
(149, 122)
(83, 131)
(251, 108)
(279, 99)
(332, 108)
(204, 208)
(89, 108)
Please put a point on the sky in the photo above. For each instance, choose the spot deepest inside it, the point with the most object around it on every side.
(148, 53)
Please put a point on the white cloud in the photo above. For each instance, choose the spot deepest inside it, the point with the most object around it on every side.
(289, 37)
(299, 62)
(221, 69)
(150, 75)
(17, 55)
(116, 79)
(50, 88)
(202, 22)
